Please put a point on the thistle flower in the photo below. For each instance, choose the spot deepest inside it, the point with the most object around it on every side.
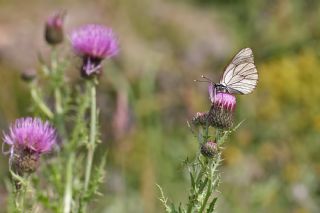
(28, 138)
(209, 149)
(94, 43)
(54, 28)
(221, 112)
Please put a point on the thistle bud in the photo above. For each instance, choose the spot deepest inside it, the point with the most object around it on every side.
(54, 28)
(28, 75)
(221, 112)
(209, 149)
(200, 119)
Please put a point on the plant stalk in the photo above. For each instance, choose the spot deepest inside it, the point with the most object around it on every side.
(68, 186)
(92, 137)
(41, 104)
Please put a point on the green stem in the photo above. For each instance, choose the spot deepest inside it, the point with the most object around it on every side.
(208, 171)
(54, 59)
(59, 113)
(68, 186)
(20, 193)
(208, 193)
(202, 170)
(92, 138)
(42, 106)
(58, 105)
(197, 182)
(23, 197)
(217, 163)
(57, 76)
(189, 210)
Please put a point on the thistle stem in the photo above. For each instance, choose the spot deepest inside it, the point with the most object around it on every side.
(21, 197)
(20, 193)
(92, 137)
(58, 105)
(59, 113)
(43, 107)
(189, 208)
(58, 78)
(208, 193)
(68, 186)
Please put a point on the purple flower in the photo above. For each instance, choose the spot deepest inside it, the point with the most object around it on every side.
(54, 28)
(221, 112)
(28, 138)
(94, 43)
(225, 101)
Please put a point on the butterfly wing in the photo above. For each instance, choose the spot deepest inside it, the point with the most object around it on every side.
(241, 76)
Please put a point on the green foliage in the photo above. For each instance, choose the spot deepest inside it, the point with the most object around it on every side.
(97, 179)
(63, 184)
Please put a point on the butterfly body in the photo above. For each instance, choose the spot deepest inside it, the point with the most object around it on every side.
(223, 88)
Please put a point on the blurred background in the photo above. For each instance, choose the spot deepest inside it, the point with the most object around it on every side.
(147, 95)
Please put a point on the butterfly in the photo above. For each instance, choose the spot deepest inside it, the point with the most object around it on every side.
(239, 77)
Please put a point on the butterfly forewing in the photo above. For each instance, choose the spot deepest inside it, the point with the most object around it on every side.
(241, 75)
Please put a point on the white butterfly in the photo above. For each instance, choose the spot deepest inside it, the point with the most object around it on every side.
(239, 77)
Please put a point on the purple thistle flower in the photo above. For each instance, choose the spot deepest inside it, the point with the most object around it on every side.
(225, 101)
(221, 112)
(94, 43)
(54, 28)
(28, 138)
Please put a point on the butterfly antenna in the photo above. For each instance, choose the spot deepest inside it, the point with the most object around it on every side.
(207, 79)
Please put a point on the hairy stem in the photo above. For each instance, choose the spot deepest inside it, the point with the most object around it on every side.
(59, 117)
(92, 137)
(58, 77)
(68, 185)
(208, 193)
(42, 106)
(20, 185)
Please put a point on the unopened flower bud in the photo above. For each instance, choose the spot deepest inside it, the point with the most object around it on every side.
(54, 28)
(209, 149)
(221, 112)
(200, 119)
(28, 75)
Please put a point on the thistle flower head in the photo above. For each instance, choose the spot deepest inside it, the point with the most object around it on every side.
(28, 138)
(209, 149)
(221, 112)
(94, 43)
(54, 28)
(225, 101)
